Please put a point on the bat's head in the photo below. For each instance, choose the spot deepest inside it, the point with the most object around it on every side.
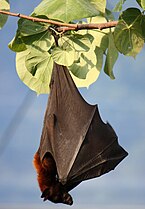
(57, 195)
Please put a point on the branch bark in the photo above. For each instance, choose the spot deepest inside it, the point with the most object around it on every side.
(63, 27)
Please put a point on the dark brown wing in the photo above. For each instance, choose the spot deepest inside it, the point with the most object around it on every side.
(66, 122)
(82, 146)
(99, 153)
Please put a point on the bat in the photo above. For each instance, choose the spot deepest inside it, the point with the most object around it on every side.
(75, 145)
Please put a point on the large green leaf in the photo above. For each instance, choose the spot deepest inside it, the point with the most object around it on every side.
(128, 40)
(111, 57)
(41, 41)
(4, 5)
(128, 34)
(27, 27)
(122, 38)
(34, 68)
(130, 16)
(31, 33)
(68, 10)
(41, 79)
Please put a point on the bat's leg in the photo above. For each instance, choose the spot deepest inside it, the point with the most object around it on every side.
(46, 175)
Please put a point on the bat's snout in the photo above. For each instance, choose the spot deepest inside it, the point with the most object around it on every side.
(67, 199)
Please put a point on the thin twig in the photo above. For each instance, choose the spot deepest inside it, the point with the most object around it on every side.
(99, 26)
(63, 27)
(36, 19)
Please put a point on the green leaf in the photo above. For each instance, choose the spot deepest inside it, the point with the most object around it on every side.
(67, 10)
(128, 34)
(112, 55)
(128, 40)
(42, 41)
(5, 6)
(122, 38)
(28, 28)
(141, 3)
(40, 81)
(130, 16)
(31, 34)
(118, 6)
(64, 57)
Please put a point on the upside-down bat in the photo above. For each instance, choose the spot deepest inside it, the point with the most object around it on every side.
(76, 144)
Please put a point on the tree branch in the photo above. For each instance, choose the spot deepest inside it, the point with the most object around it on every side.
(63, 27)
(35, 19)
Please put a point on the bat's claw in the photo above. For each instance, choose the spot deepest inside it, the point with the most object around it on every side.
(45, 195)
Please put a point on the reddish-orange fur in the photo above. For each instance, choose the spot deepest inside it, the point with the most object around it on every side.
(46, 171)
(49, 185)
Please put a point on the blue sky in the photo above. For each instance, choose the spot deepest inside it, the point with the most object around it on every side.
(121, 102)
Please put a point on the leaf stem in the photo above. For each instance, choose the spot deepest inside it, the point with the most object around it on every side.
(63, 27)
